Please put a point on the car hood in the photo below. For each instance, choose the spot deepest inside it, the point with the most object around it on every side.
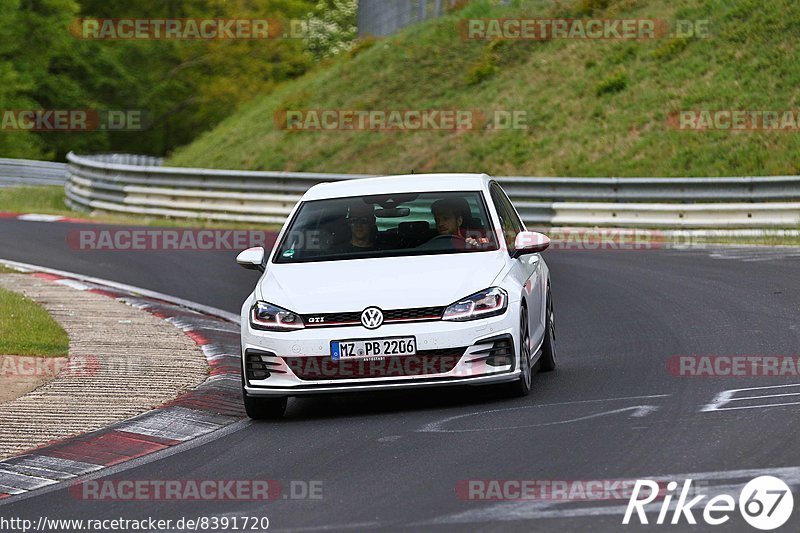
(388, 283)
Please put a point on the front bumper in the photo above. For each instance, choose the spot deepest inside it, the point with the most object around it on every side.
(467, 340)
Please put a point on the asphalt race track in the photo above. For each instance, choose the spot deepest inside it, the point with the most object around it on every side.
(612, 411)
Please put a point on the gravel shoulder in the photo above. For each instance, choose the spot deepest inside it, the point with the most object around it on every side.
(123, 361)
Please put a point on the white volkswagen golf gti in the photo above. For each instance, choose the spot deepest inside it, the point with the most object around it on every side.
(392, 283)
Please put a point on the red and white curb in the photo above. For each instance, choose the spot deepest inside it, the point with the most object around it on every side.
(211, 406)
(36, 217)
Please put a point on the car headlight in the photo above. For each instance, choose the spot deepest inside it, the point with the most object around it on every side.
(490, 302)
(270, 317)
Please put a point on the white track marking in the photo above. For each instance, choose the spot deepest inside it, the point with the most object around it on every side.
(176, 423)
(35, 217)
(66, 468)
(755, 406)
(768, 396)
(75, 284)
(639, 411)
(727, 397)
(17, 480)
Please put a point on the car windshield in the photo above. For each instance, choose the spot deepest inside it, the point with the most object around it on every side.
(388, 225)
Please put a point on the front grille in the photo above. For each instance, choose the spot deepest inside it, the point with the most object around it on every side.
(427, 362)
(332, 319)
(419, 314)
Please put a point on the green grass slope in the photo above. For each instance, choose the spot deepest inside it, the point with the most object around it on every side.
(27, 329)
(594, 108)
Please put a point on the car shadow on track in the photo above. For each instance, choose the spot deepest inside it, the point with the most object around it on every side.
(357, 404)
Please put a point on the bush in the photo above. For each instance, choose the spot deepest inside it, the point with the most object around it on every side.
(613, 83)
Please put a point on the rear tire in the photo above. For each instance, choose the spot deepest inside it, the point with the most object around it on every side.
(264, 408)
(548, 359)
(522, 386)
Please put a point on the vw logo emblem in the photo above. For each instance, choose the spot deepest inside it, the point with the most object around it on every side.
(372, 318)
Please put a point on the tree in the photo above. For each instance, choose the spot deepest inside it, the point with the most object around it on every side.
(186, 87)
(332, 27)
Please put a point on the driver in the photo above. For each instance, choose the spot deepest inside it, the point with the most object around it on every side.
(449, 215)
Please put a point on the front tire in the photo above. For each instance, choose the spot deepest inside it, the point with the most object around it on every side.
(522, 386)
(264, 408)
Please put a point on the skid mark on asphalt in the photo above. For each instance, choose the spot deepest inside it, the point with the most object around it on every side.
(636, 411)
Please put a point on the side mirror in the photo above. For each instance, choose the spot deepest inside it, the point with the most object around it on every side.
(530, 242)
(252, 259)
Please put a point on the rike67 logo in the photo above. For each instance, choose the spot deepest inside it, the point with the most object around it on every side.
(765, 503)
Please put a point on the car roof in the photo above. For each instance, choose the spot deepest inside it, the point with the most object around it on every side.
(398, 184)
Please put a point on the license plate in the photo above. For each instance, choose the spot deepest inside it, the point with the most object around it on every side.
(364, 348)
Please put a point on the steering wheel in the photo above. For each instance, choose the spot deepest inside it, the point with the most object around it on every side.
(447, 237)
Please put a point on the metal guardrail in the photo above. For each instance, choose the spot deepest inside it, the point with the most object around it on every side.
(130, 159)
(18, 172)
(101, 183)
(227, 195)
